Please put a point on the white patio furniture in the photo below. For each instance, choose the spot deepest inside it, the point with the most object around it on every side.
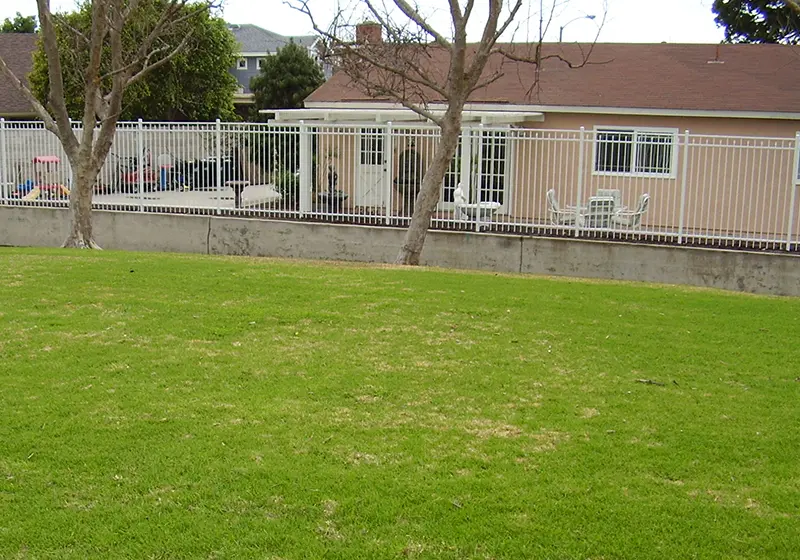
(566, 216)
(471, 210)
(599, 212)
(632, 218)
(616, 194)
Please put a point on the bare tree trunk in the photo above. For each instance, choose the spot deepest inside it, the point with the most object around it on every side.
(80, 204)
(428, 197)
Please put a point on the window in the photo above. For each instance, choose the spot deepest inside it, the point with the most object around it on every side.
(635, 152)
(241, 64)
(371, 146)
(261, 62)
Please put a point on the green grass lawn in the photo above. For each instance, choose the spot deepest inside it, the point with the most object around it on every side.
(163, 406)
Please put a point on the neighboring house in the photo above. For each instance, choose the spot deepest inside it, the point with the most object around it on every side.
(633, 102)
(17, 50)
(256, 44)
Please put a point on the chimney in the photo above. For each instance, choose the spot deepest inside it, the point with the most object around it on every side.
(369, 33)
(716, 58)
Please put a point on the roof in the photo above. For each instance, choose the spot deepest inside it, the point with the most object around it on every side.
(672, 77)
(256, 40)
(17, 50)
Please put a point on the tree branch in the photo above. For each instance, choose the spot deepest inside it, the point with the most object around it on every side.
(55, 75)
(417, 18)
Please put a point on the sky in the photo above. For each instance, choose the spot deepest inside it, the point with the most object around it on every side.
(626, 21)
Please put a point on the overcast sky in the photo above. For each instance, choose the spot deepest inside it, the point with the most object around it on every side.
(630, 21)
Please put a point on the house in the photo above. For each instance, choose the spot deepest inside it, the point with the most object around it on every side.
(17, 50)
(622, 122)
(255, 45)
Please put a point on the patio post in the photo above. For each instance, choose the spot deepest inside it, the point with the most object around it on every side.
(140, 164)
(388, 167)
(581, 142)
(4, 188)
(794, 184)
(481, 136)
(685, 168)
(305, 169)
(218, 166)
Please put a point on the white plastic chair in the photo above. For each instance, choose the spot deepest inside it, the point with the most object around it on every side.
(616, 194)
(632, 218)
(470, 210)
(560, 216)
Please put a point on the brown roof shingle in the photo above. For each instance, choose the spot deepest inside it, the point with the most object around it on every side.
(17, 50)
(739, 78)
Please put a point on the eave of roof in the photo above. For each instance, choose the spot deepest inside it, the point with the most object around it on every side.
(378, 106)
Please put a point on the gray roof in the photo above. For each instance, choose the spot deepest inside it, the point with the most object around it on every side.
(17, 50)
(254, 39)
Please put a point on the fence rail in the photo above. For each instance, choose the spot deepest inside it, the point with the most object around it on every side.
(649, 185)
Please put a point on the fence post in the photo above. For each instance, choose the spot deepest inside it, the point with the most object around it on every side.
(388, 164)
(581, 142)
(305, 169)
(794, 183)
(140, 163)
(218, 166)
(685, 165)
(4, 187)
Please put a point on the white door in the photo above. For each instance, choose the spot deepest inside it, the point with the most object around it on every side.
(370, 187)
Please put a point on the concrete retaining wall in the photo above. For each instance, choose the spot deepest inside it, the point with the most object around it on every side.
(763, 273)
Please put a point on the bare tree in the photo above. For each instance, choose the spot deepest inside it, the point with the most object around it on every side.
(113, 66)
(418, 63)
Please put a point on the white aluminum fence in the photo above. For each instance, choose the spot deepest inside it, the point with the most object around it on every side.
(652, 186)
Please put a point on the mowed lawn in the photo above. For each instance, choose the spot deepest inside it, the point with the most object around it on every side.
(174, 406)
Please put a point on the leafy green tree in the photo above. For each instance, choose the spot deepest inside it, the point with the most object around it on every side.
(20, 24)
(126, 41)
(759, 21)
(286, 79)
(194, 85)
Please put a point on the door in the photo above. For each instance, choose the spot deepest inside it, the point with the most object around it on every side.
(489, 154)
(370, 184)
(494, 168)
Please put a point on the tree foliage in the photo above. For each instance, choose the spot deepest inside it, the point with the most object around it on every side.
(122, 43)
(286, 79)
(195, 85)
(20, 24)
(758, 21)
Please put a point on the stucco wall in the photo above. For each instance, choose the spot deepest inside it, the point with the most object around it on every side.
(777, 274)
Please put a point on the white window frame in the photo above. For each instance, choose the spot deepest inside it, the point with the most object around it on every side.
(636, 131)
(241, 63)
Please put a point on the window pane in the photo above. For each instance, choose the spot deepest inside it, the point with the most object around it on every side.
(614, 150)
(451, 176)
(371, 146)
(654, 153)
